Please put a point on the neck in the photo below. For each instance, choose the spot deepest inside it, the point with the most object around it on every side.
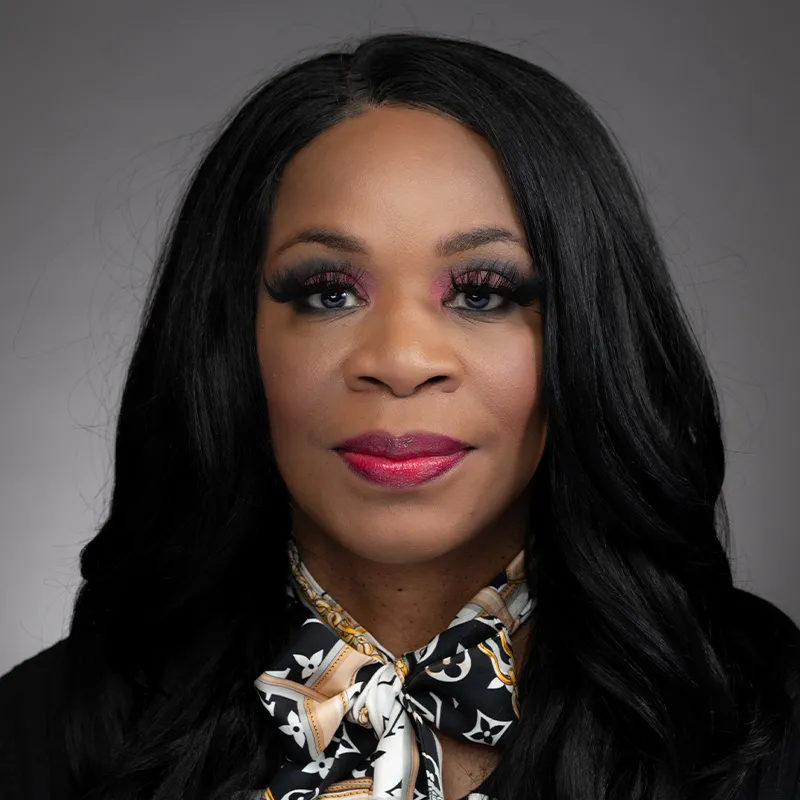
(404, 606)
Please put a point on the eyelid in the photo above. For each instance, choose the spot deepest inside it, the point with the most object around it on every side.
(503, 267)
(306, 269)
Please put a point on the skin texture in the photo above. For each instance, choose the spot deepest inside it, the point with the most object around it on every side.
(402, 358)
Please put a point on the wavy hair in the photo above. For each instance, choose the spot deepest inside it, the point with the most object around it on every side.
(649, 674)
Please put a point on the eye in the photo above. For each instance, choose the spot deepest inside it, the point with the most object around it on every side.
(316, 286)
(480, 300)
(336, 295)
(478, 288)
(492, 288)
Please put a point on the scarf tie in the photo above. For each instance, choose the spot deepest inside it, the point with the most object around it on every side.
(359, 722)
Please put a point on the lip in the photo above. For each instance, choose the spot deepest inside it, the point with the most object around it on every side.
(410, 459)
(415, 444)
(401, 473)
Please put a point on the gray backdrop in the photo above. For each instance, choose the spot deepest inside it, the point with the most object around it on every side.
(107, 104)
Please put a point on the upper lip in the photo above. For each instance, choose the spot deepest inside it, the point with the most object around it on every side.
(415, 444)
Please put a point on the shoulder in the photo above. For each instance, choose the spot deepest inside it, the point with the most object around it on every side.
(44, 663)
(778, 644)
(778, 777)
(32, 759)
(29, 686)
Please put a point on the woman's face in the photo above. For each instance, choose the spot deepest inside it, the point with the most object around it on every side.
(396, 348)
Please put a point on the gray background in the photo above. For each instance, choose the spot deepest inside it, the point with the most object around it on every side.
(106, 105)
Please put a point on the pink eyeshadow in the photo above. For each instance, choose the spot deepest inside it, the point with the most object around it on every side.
(439, 287)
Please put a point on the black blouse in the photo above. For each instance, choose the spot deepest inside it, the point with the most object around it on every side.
(33, 763)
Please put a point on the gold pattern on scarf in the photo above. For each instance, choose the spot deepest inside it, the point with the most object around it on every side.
(342, 623)
(508, 678)
(401, 669)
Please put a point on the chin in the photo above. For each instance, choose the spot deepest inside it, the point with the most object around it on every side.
(411, 546)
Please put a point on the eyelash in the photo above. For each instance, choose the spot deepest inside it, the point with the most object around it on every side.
(483, 277)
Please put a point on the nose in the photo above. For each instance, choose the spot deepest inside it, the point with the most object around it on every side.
(403, 346)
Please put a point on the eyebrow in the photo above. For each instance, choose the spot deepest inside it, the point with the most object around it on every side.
(446, 246)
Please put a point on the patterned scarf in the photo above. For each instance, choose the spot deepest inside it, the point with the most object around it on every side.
(360, 723)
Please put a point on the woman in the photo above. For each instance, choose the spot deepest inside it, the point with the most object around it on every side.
(418, 476)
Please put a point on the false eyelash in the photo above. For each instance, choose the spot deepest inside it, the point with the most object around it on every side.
(497, 277)
(293, 283)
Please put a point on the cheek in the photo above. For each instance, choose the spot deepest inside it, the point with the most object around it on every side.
(510, 386)
(292, 381)
(289, 391)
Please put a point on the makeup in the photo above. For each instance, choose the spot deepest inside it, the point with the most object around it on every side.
(478, 280)
(403, 474)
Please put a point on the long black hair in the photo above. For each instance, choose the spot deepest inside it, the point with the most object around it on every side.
(648, 675)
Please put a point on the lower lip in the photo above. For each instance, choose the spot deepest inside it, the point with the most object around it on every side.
(401, 474)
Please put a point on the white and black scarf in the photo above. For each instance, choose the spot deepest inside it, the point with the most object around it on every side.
(359, 722)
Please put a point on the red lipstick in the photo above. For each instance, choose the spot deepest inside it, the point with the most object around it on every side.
(402, 461)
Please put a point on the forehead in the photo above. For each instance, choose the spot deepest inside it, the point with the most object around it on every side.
(394, 170)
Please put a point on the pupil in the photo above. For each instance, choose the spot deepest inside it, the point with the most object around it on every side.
(335, 295)
(478, 298)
